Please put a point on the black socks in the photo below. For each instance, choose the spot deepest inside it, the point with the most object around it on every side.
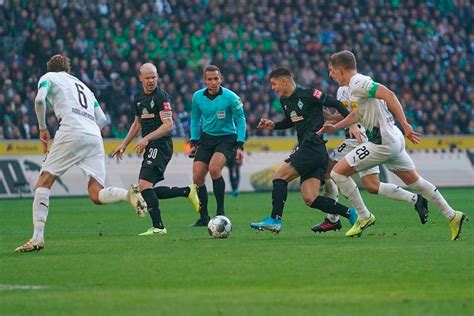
(279, 195)
(330, 206)
(153, 207)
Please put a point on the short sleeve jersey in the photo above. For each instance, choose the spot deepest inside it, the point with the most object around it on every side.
(373, 113)
(344, 97)
(148, 108)
(304, 107)
(72, 101)
(218, 116)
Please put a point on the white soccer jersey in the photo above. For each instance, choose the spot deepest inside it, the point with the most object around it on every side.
(343, 95)
(371, 112)
(72, 101)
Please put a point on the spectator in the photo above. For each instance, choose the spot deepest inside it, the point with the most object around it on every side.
(424, 49)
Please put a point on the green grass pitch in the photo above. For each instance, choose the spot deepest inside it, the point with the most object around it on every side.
(95, 263)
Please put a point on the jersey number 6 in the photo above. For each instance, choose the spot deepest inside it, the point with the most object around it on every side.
(81, 96)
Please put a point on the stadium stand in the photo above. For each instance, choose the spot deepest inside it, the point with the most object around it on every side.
(421, 49)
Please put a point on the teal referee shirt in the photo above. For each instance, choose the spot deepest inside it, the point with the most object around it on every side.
(218, 115)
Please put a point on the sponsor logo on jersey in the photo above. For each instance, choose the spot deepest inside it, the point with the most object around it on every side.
(148, 116)
(300, 104)
(220, 115)
(317, 94)
(295, 117)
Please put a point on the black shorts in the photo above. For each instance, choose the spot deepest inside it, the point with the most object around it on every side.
(208, 145)
(310, 159)
(155, 160)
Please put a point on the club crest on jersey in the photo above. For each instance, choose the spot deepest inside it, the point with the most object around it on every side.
(300, 104)
(152, 103)
(295, 117)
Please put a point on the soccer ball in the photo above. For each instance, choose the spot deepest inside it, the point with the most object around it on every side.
(219, 227)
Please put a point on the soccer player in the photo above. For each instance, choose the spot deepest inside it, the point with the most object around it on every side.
(154, 117)
(386, 143)
(77, 143)
(303, 110)
(219, 112)
(355, 134)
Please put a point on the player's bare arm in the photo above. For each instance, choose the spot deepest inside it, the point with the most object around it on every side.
(396, 108)
(161, 131)
(132, 132)
(330, 117)
(331, 128)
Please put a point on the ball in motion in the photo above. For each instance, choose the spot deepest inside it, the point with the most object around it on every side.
(219, 227)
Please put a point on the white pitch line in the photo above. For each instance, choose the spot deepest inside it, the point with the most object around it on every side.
(13, 287)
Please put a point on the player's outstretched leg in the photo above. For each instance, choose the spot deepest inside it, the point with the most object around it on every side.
(433, 195)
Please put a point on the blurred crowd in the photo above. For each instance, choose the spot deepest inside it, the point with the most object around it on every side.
(423, 50)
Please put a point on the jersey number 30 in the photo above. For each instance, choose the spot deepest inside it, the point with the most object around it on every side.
(81, 96)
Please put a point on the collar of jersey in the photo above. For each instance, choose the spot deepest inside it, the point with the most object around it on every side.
(212, 96)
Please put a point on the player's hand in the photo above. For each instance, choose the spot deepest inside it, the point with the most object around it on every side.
(44, 139)
(118, 152)
(413, 136)
(239, 156)
(355, 132)
(192, 151)
(327, 128)
(266, 123)
(141, 145)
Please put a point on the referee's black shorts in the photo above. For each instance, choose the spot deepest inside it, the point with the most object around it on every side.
(208, 145)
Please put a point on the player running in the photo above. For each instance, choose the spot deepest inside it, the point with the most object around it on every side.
(355, 134)
(386, 143)
(77, 142)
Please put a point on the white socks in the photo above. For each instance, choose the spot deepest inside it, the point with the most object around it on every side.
(112, 195)
(349, 188)
(396, 193)
(331, 191)
(40, 212)
(431, 193)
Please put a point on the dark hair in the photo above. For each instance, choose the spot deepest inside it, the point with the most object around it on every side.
(344, 59)
(58, 63)
(280, 72)
(211, 68)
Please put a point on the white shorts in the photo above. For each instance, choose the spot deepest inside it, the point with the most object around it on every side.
(346, 147)
(76, 149)
(392, 155)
